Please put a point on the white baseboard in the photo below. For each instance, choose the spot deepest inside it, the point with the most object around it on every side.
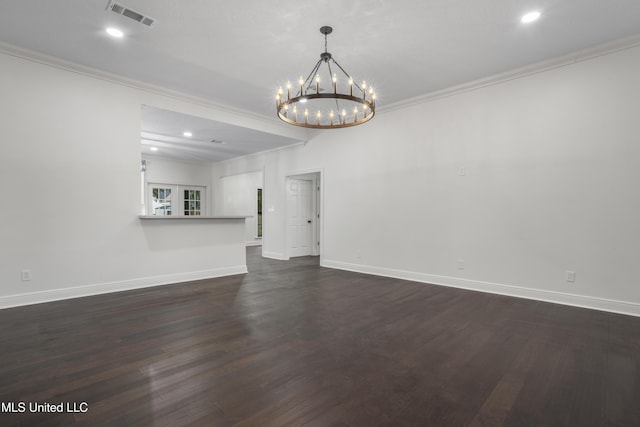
(274, 255)
(124, 285)
(583, 301)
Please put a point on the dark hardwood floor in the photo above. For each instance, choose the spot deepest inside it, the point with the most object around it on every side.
(291, 343)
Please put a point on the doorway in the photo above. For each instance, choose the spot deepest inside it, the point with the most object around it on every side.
(303, 214)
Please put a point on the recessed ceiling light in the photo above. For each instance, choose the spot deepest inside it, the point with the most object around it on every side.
(187, 134)
(153, 148)
(530, 17)
(114, 32)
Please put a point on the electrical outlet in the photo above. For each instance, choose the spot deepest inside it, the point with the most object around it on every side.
(460, 264)
(461, 171)
(26, 275)
(571, 276)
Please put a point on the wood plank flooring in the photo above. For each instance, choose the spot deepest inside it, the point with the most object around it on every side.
(292, 343)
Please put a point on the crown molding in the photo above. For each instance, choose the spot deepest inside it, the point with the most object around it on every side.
(540, 67)
(562, 61)
(95, 73)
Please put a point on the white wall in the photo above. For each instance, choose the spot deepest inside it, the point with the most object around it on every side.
(238, 196)
(550, 185)
(276, 166)
(70, 168)
(168, 171)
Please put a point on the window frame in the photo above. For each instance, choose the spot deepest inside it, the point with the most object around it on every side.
(177, 199)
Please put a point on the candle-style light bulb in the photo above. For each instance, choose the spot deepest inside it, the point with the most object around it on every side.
(335, 83)
(306, 115)
(319, 116)
(331, 117)
(317, 84)
(355, 114)
(350, 86)
(295, 113)
(364, 89)
(301, 81)
(344, 115)
(288, 90)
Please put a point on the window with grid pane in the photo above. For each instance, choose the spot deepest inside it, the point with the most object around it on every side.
(161, 201)
(176, 200)
(192, 202)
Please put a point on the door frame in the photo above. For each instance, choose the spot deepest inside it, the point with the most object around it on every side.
(316, 176)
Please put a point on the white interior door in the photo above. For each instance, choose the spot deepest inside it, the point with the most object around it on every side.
(299, 216)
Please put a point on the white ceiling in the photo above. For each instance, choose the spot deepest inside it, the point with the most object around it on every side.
(238, 52)
(210, 141)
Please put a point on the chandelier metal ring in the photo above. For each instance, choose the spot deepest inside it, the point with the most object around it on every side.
(328, 110)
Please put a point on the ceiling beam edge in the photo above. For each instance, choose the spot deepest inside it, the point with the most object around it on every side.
(267, 124)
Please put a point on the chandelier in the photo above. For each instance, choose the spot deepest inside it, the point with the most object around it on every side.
(312, 105)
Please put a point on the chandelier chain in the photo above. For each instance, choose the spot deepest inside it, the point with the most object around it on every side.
(311, 76)
(346, 74)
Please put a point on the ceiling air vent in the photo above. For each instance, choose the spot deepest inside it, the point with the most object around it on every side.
(129, 13)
